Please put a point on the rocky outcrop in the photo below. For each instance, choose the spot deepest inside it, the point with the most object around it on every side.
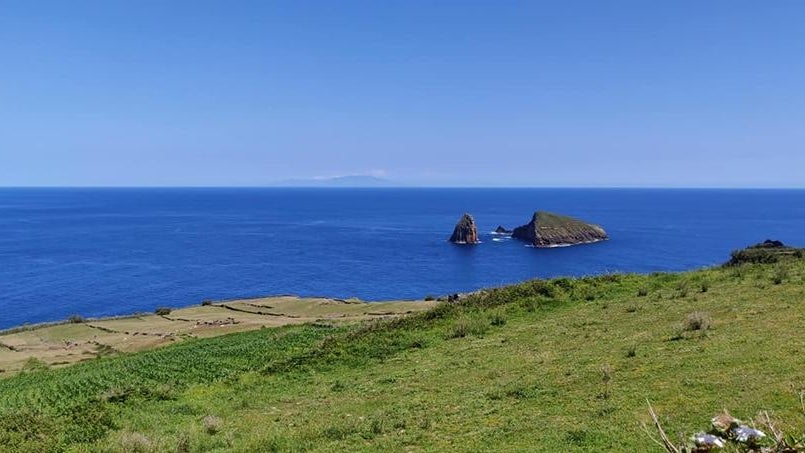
(552, 230)
(465, 231)
(768, 244)
(502, 230)
(768, 251)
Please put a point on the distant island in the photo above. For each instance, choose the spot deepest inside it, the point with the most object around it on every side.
(547, 229)
(338, 181)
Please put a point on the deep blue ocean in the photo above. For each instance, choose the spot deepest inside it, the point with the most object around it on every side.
(100, 252)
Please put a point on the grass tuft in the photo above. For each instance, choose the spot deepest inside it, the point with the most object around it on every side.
(467, 326)
(211, 424)
(696, 321)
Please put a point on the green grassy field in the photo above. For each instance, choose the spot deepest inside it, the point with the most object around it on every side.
(559, 365)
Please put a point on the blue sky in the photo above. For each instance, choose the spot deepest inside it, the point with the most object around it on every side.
(565, 93)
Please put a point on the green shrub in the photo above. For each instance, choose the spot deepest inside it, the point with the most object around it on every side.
(464, 327)
(135, 443)
(696, 321)
(780, 274)
(497, 319)
(754, 255)
(76, 319)
(211, 424)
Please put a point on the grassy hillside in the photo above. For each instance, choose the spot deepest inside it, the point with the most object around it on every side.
(559, 365)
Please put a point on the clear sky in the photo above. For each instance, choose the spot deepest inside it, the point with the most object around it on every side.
(564, 93)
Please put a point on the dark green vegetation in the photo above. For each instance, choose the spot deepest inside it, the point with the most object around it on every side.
(767, 251)
(559, 365)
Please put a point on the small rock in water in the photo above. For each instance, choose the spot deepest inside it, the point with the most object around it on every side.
(465, 231)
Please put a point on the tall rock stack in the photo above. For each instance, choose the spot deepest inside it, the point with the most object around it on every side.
(552, 230)
(465, 231)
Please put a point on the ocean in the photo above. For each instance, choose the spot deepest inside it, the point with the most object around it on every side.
(98, 252)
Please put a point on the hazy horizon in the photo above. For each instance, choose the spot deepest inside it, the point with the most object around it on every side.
(553, 95)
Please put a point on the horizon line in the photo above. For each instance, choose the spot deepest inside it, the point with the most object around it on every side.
(392, 186)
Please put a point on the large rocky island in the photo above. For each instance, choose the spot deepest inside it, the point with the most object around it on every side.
(552, 230)
(465, 231)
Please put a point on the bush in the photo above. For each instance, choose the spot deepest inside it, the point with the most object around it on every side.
(642, 292)
(135, 442)
(631, 351)
(76, 319)
(211, 424)
(430, 297)
(696, 321)
(162, 311)
(497, 319)
(780, 275)
(754, 255)
(467, 326)
(682, 289)
(206, 302)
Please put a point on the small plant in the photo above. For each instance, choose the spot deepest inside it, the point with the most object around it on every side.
(631, 351)
(135, 442)
(694, 322)
(206, 302)
(631, 308)
(211, 424)
(697, 321)
(642, 292)
(704, 286)
(116, 395)
(183, 444)
(682, 289)
(606, 378)
(780, 275)
(430, 297)
(530, 304)
(467, 326)
(34, 364)
(739, 272)
(162, 311)
(497, 319)
(576, 437)
(76, 319)
(161, 392)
